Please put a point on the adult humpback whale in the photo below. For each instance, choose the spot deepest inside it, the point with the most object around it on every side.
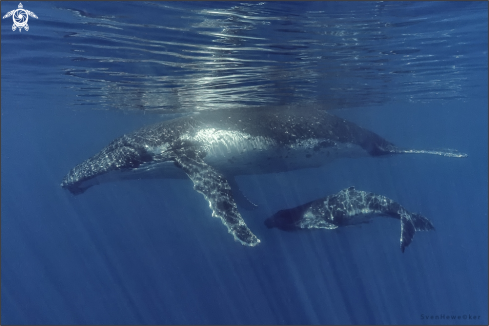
(213, 147)
(349, 207)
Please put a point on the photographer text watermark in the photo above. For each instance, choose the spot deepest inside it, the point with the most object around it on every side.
(450, 317)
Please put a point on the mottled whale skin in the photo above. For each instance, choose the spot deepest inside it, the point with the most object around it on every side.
(212, 147)
(349, 207)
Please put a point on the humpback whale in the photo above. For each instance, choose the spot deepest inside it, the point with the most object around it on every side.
(349, 207)
(213, 147)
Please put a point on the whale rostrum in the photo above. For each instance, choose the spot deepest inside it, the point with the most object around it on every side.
(213, 147)
(349, 207)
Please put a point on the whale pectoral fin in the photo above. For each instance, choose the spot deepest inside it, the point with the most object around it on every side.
(218, 193)
(239, 197)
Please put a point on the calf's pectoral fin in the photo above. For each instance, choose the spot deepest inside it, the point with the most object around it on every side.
(218, 193)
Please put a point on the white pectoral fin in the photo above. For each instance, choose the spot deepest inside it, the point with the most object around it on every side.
(10, 13)
(218, 193)
(30, 13)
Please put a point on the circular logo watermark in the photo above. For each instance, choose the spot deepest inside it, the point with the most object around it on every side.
(20, 17)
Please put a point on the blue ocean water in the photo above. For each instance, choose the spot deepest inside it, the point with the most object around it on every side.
(149, 251)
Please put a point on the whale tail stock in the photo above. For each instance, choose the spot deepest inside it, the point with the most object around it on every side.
(410, 223)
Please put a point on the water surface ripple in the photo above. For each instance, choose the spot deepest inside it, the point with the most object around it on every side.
(188, 56)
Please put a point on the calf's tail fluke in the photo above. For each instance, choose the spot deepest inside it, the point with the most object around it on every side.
(410, 223)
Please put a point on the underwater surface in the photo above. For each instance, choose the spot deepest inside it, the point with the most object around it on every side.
(150, 252)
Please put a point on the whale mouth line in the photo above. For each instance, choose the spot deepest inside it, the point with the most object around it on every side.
(147, 170)
(74, 187)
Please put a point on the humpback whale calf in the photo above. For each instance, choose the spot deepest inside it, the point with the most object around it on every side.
(349, 207)
(212, 147)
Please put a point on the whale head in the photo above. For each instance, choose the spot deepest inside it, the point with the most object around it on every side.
(287, 219)
(123, 158)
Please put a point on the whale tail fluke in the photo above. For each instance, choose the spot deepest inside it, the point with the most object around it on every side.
(410, 223)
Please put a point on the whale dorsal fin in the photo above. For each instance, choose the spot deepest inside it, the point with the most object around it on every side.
(217, 191)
